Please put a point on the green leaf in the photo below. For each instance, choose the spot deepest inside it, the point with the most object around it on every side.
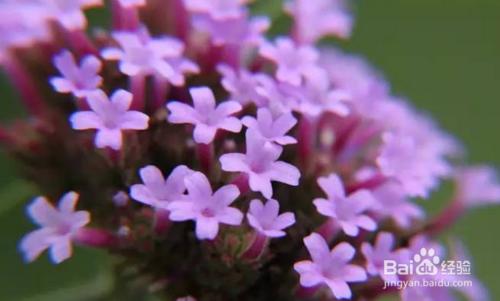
(13, 193)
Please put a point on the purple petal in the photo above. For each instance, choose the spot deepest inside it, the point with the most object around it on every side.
(34, 243)
(85, 121)
(122, 100)
(68, 202)
(230, 216)
(204, 133)
(108, 138)
(134, 120)
(231, 124)
(332, 186)
(340, 289)
(203, 99)
(42, 212)
(226, 194)
(318, 248)
(262, 184)
(61, 250)
(181, 113)
(207, 228)
(234, 162)
(343, 252)
(198, 186)
(285, 220)
(285, 173)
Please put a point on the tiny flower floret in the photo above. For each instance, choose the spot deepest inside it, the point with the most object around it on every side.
(109, 118)
(267, 220)
(206, 208)
(58, 226)
(77, 80)
(205, 115)
(241, 84)
(157, 191)
(477, 185)
(270, 128)
(346, 211)
(315, 19)
(218, 9)
(329, 268)
(69, 12)
(140, 54)
(293, 62)
(261, 165)
(382, 250)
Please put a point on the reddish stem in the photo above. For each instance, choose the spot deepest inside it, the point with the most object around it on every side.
(328, 230)
(306, 141)
(242, 182)
(162, 221)
(371, 183)
(446, 218)
(137, 85)
(96, 238)
(205, 156)
(257, 247)
(81, 43)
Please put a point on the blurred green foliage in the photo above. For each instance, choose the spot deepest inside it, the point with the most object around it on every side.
(441, 54)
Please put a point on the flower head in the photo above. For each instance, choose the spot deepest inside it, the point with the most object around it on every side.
(206, 208)
(267, 220)
(110, 118)
(273, 130)
(260, 163)
(205, 115)
(157, 191)
(327, 267)
(293, 62)
(477, 185)
(141, 54)
(382, 250)
(318, 18)
(58, 226)
(69, 12)
(77, 80)
(347, 211)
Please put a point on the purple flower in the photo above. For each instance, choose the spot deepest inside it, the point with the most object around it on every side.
(158, 192)
(78, 80)
(293, 62)
(477, 185)
(206, 208)
(241, 84)
(261, 165)
(234, 31)
(110, 118)
(267, 220)
(393, 203)
(218, 9)
(315, 19)
(382, 250)
(58, 227)
(329, 267)
(69, 12)
(347, 211)
(141, 54)
(273, 130)
(205, 115)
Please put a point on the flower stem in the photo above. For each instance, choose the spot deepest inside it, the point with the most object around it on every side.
(81, 43)
(162, 221)
(205, 156)
(306, 141)
(242, 182)
(328, 230)
(161, 88)
(96, 238)
(257, 247)
(138, 88)
(446, 218)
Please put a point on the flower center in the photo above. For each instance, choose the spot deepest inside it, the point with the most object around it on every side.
(208, 212)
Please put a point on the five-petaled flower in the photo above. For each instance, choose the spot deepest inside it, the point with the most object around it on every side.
(58, 228)
(329, 267)
(261, 165)
(346, 211)
(208, 209)
(110, 118)
(293, 62)
(270, 128)
(266, 219)
(140, 54)
(79, 80)
(157, 191)
(382, 250)
(205, 115)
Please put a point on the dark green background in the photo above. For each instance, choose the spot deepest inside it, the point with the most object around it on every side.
(443, 55)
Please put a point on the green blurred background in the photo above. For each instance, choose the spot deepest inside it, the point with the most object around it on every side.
(444, 55)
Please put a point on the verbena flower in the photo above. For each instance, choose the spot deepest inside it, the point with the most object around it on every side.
(205, 115)
(58, 227)
(329, 268)
(109, 117)
(207, 208)
(270, 128)
(265, 218)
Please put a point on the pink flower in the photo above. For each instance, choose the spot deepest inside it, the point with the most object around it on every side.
(267, 220)
(315, 19)
(293, 62)
(261, 165)
(271, 129)
(141, 54)
(235, 31)
(347, 211)
(58, 228)
(157, 191)
(382, 250)
(329, 267)
(110, 118)
(241, 84)
(78, 80)
(218, 9)
(393, 203)
(206, 208)
(205, 115)
(477, 185)
(69, 12)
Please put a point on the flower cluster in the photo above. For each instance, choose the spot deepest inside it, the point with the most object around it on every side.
(218, 163)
